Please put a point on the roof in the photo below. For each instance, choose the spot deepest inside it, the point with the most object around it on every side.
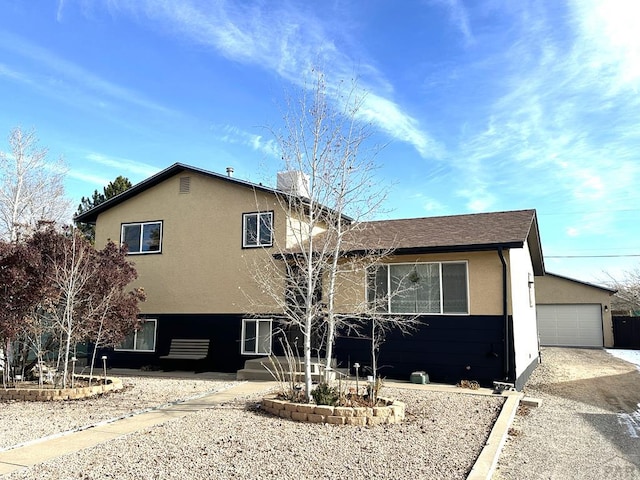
(90, 216)
(587, 284)
(454, 233)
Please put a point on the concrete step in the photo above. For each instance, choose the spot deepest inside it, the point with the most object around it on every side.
(254, 369)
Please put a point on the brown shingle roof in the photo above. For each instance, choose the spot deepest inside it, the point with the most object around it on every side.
(460, 231)
(455, 233)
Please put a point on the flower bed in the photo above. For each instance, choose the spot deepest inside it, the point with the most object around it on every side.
(33, 393)
(391, 412)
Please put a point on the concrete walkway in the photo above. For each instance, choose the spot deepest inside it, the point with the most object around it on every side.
(42, 450)
(46, 449)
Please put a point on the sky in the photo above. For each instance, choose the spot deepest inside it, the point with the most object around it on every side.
(481, 105)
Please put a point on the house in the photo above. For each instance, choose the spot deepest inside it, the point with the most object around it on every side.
(572, 313)
(197, 238)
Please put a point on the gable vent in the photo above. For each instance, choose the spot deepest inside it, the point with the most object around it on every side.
(185, 184)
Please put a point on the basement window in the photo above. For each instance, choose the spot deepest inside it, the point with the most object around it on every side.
(256, 336)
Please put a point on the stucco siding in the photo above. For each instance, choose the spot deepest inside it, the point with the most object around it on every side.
(202, 267)
(522, 293)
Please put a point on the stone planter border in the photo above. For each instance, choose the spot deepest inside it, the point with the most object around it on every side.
(31, 394)
(393, 412)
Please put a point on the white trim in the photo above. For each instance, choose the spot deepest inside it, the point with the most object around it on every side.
(135, 339)
(258, 216)
(142, 224)
(242, 337)
(439, 263)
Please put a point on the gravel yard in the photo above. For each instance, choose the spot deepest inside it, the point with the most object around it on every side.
(441, 438)
(25, 421)
(588, 425)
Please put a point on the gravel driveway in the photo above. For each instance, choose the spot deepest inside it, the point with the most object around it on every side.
(588, 426)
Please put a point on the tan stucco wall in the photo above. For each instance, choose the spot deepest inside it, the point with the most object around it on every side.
(203, 267)
(551, 290)
(484, 278)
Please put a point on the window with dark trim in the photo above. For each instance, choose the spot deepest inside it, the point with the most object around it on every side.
(257, 229)
(426, 288)
(143, 237)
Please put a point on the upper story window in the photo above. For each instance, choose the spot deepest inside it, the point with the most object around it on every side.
(428, 288)
(257, 229)
(144, 237)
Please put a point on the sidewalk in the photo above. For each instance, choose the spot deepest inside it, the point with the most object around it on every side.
(40, 451)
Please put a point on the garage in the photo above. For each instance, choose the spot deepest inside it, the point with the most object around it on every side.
(570, 325)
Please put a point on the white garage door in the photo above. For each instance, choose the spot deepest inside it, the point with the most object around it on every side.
(570, 325)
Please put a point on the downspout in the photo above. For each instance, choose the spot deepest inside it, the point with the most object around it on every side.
(505, 313)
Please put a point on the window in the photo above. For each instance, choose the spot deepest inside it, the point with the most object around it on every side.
(436, 288)
(142, 340)
(142, 237)
(257, 229)
(256, 337)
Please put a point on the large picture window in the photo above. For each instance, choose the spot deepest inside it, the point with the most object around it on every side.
(256, 337)
(144, 237)
(257, 229)
(142, 340)
(429, 288)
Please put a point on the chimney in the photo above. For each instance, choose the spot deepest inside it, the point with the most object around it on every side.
(229, 172)
(293, 182)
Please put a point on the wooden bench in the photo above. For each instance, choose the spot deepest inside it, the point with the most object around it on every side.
(187, 349)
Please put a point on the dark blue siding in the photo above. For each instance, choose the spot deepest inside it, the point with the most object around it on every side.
(448, 348)
(222, 330)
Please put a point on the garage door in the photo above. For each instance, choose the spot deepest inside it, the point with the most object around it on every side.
(570, 325)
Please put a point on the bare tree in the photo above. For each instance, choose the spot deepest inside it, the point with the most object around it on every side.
(627, 296)
(31, 188)
(328, 186)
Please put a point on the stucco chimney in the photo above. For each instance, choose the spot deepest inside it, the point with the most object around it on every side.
(293, 182)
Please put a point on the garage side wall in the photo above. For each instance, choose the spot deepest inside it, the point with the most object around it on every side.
(556, 290)
(525, 329)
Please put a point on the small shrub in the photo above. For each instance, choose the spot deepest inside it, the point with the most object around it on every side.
(324, 394)
(472, 384)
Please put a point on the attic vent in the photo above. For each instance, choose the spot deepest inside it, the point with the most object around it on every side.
(185, 184)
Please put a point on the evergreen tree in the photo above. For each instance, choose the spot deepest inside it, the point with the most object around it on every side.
(119, 185)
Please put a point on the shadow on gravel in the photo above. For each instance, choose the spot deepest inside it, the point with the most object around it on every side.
(615, 393)
(617, 432)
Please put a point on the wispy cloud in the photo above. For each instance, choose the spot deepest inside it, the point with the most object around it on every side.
(549, 132)
(234, 135)
(288, 40)
(60, 73)
(8, 72)
(122, 165)
(608, 37)
(89, 178)
(459, 17)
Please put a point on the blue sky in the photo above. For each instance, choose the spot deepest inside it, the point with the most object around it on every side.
(484, 105)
